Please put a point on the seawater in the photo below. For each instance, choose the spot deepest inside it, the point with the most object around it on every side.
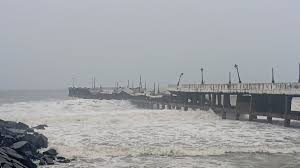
(111, 133)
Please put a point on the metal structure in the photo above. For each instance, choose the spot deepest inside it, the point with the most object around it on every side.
(179, 79)
(273, 79)
(202, 81)
(238, 72)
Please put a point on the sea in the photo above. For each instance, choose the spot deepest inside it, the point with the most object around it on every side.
(115, 133)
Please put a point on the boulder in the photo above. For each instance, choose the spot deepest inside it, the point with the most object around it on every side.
(37, 140)
(25, 148)
(40, 127)
(12, 124)
(42, 162)
(63, 160)
(7, 140)
(15, 158)
(48, 160)
(50, 152)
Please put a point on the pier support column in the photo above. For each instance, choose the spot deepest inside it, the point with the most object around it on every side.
(150, 105)
(169, 107)
(213, 100)
(270, 109)
(269, 119)
(158, 106)
(287, 106)
(163, 106)
(186, 108)
(178, 107)
(237, 115)
(210, 99)
(219, 96)
(226, 101)
(224, 114)
(287, 122)
(202, 99)
(251, 116)
(226, 104)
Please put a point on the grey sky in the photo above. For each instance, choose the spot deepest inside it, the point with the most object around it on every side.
(44, 43)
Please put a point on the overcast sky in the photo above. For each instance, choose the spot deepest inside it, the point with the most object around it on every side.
(44, 43)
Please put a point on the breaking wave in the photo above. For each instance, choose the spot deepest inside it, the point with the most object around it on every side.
(95, 130)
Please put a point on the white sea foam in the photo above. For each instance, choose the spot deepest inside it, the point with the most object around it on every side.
(113, 131)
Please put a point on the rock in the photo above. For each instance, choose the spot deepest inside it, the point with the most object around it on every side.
(7, 140)
(42, 162)
(37, 140)
(48, 160)
(63, 160)
(6, 166)
(12, 124)
(14, 132)
(12, 153)
(19, 145)
(15, 158)
(25, 148)
(4, 161)
(50, 152)
(40, 127)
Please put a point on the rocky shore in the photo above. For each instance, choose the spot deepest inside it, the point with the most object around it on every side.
(21, 146)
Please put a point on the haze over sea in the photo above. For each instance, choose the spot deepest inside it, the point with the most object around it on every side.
(111, 133)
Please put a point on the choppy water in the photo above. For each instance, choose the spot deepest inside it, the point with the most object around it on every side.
(102, 133)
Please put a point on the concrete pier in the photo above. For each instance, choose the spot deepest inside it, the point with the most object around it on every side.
(272, 100)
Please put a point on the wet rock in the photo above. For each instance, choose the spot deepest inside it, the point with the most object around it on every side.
(50, 152)
(7, 140)
(14, 132)
(11, 124)
(40, 127)
(25, 148)
(47, 159)
(6, 166)
(19, 146)
(61, 159)
(38, 140)
(42, 162)
(15, 158)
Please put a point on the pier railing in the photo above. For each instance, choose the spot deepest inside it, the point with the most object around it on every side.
(244, 88)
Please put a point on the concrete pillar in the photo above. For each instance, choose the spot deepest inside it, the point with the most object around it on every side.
(237, 115)
(169, 106)
(224, 114)
(287, 106)
(219, 100)
(178, 108)
(269, 119)
(150, 106)
(186, 108)
(226, 100)
(287, 122)
(213, 100)
(251, 116)
(202, 99)
(158, 106)
(210, 99)
(163, 106)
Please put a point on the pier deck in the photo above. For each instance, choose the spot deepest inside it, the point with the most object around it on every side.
(255, 99)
